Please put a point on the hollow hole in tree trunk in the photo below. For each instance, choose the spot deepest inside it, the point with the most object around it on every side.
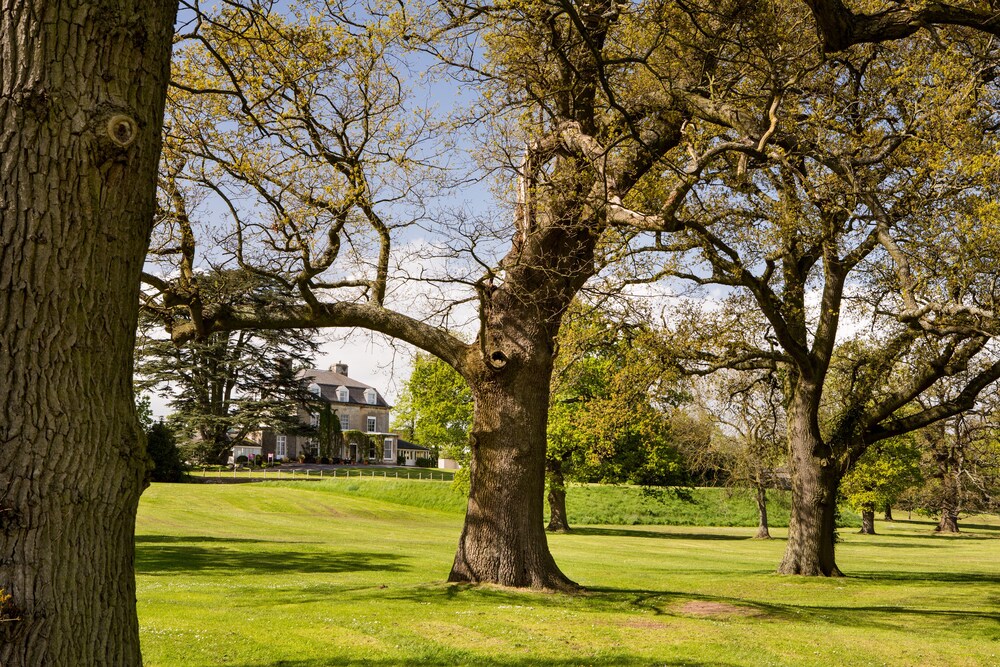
(499, 359)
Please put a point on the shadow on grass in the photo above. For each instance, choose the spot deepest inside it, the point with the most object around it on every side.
(976, 578)
(883, 540)
(176, 555)
(187, 539)
(623, 659)
(889, 616)
(963, 525)
(737, 609)
(673, 535)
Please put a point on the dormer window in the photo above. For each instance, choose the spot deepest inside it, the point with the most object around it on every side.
(315, 390)
(371, 396)
(343, 395)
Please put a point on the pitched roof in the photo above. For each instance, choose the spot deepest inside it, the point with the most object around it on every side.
(403, 444)
(328, 382)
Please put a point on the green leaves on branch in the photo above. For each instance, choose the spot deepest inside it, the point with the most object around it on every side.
(435, 408)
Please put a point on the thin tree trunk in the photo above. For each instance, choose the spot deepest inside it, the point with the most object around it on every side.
(558, 519)
(503, 541)
(762, 531)
(888, 512)
(867, 522)
(81, 101)
(950, 495)
(815, 479)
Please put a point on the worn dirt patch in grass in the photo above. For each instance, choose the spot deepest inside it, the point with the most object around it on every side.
(646, 625)
(716, 609)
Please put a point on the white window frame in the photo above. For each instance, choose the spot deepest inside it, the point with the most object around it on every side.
(314, 420)
(343, 394)
(345, 422)
(281, 447)
(371, 396)
(387, 453)
(372, 424)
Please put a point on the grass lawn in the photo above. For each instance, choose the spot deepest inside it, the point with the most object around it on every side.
(292, 471)
(350, 572)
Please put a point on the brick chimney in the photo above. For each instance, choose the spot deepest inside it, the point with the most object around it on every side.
(339, 368)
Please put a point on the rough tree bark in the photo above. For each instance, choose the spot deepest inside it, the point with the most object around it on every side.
(82, 89)
(503, 541)
(815, 479)
(949, 500)
(558, 518)
(948, 522)
(888, 513)
(867, 522)
(762, 530)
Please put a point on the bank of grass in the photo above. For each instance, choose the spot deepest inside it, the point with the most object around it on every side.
(599, 504)
(629, 505)
(311, 574)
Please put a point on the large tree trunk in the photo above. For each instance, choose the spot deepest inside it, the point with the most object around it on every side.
(82, 88)
(558, 519)
(888, 512)
(948, 522)
(815, 479)
(762, 530)
(503, 541)
(867, 522)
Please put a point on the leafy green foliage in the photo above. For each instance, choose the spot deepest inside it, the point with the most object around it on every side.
(435, 408)
(329, 433)
(611, 417)
(144, 411)
(365, 444)
(886, 470)
(960, 463)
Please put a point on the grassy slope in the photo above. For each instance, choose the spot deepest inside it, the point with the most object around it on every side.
(309, 574)
(597, 504)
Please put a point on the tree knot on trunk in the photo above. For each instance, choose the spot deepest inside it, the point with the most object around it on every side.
(115, 130)
(496, 360)
(34, 101)
(10, 518)
(122, 130)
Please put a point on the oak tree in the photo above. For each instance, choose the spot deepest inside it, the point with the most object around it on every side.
(81, 98)
(620, 133)
(82, 91)
(613, 414)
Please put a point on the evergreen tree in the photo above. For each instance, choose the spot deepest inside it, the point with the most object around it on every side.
(230, 384)
(161, 445)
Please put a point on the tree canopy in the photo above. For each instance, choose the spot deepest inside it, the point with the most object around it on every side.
(611, 124)
(435, 408)
(707, 143)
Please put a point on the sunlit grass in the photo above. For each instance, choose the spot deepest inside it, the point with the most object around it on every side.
(299, 574)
